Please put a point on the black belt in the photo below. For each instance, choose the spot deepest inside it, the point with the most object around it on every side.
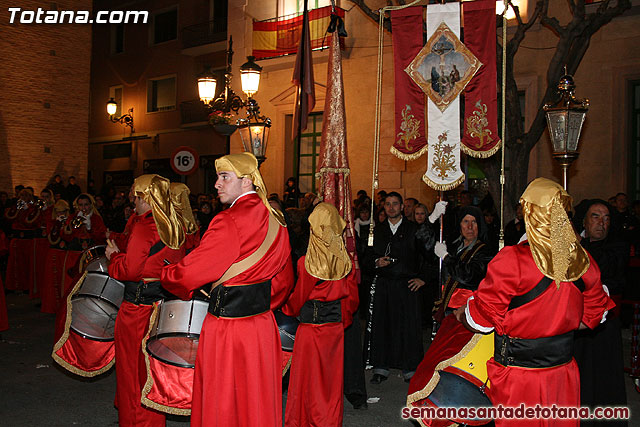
(320, 312)
(240, 300)
(143, 292)
(533, 353)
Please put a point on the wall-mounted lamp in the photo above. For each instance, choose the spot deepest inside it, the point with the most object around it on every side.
(125, 119)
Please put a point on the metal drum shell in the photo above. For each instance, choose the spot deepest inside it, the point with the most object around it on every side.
(96, 304)
(184, 318)
(94, 259)
(287, 326)
(174, 336)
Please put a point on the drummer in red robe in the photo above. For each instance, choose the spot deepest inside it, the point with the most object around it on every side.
(157, 236)
(325, 297)
(238, 372)
(535, 295)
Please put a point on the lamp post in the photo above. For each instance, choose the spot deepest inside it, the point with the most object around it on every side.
(254, 129)
(125, 119)
(565, 119)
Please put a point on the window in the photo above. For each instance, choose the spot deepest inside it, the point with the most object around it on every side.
(634, 149)
(161, 94)
(287, 7)
(165, 26)
(115, 92)
(116, 151)
(117, 38)
(308, 155)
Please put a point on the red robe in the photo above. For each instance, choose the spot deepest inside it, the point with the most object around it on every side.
(132, 321)
(557, 311)
(238, 373)
(316, 381)
(20, 266)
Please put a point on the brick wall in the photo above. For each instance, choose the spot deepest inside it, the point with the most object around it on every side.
(44, 98)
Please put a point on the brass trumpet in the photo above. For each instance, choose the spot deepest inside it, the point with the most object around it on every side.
(77, 222)
(21, 204)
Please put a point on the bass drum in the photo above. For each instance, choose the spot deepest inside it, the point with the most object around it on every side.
(174, 336)
(453, 373)
(95, 306)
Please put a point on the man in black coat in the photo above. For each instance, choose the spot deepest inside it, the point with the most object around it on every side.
(598, 352)
(396, 258)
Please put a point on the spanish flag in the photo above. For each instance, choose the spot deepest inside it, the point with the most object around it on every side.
(278, 37)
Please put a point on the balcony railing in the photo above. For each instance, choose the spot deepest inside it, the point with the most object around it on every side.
(193, 112)
(204, 33)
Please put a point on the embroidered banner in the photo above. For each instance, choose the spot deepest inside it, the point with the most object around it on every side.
(411, 140)
(442, 69)
(481, 137)
(280, 36)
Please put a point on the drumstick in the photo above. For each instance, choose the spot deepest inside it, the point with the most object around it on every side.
(205, 293)
(110, 243)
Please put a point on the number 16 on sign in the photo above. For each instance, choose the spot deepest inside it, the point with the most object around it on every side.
(184, 160)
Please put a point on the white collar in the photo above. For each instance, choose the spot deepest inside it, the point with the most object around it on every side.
(242, 195)
(394, 227)
(524, 238)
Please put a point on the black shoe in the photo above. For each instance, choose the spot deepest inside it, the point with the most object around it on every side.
(362, 405)
(407, 380)
(377, 379)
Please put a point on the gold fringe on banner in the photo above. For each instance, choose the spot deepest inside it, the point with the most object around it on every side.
(481, 154)
(443, 187)
(407, 157)
(435, 379)
(65, 336)
(149, 383)
(345, 171)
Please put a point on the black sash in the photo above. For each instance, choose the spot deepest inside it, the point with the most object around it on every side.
(240, 300)
(143, 292)
(320, 312)
(533, 353)
(538, 352)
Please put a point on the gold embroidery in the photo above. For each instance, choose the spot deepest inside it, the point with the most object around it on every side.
(443, 158)
(477, 125)
(409, 127)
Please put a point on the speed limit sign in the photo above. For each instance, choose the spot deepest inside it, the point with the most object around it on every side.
(184, 160)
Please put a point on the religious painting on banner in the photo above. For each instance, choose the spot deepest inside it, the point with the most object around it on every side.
(480, 138)
(442, 69)
(410, 113)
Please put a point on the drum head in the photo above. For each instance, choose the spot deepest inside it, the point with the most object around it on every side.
(93, 318)
(453, 391)
(175, 350)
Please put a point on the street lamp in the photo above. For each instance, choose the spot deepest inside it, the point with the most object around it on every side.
(254, 129)
(565, 119)
(125, 119)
